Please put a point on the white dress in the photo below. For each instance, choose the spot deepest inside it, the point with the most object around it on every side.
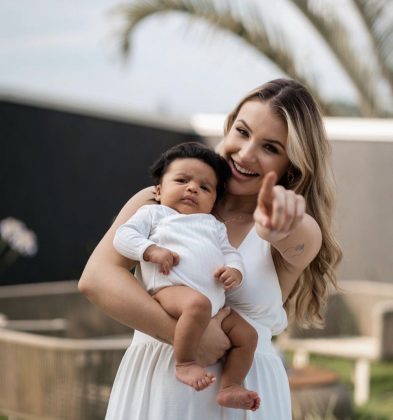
(145, 387)
(200, 240)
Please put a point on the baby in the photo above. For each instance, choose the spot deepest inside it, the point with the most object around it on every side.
(187, 264)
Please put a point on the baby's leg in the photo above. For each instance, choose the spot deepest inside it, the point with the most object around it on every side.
(193, 311)
(239, 359)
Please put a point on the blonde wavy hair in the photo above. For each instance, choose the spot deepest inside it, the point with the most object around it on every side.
(309, 174)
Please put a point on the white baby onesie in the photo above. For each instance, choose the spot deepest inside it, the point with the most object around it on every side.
(200, 240)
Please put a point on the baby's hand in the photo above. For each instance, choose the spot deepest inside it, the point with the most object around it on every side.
(165, 258)
(229, 277)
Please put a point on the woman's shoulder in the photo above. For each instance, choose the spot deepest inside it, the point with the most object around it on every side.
(105, 252)
(141, 198)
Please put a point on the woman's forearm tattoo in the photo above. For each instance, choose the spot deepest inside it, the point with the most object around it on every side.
(294, 251)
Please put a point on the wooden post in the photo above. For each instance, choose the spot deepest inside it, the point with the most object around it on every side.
(301, 358)
(361, 381)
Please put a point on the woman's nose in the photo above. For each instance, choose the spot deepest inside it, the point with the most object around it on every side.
(247, 152)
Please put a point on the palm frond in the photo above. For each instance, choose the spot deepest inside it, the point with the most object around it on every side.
(220, 15)
(377, 16)
(337, 38)
(245, 23)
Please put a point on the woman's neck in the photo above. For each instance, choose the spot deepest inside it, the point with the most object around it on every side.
(236, 204)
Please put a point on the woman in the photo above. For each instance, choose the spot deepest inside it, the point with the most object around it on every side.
(284, 235)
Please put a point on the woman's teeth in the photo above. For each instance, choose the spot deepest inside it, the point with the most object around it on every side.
(242, 170)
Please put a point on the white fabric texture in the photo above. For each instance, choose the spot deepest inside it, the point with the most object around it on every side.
(145, 387)
(200, 240)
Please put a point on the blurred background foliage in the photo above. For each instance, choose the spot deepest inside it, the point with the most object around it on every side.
(370, 72)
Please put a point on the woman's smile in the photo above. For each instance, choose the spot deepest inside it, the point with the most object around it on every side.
(240, 169)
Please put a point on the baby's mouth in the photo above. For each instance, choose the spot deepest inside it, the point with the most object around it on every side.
(190, 200)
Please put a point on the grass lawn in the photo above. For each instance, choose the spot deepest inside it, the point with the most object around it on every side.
(380, 404)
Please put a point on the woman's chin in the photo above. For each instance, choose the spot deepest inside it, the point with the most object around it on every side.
(235, 187)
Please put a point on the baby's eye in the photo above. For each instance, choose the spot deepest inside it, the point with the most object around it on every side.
(205, 188)
(181, 180)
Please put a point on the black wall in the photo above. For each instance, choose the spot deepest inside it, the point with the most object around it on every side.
(66, 176)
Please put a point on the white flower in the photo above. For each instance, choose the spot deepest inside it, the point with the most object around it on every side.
(18, 237)
(25, 243)
(11, 227)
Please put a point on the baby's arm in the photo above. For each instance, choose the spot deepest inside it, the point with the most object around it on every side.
(131, 238)
(229, 277)
(164, 257)
(232, 273)
(132, 241)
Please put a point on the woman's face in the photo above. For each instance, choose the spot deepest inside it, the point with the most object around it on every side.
(255, 145)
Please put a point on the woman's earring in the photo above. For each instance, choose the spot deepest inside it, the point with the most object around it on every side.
(290, 177)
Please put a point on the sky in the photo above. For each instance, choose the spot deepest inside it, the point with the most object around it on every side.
(69, 51)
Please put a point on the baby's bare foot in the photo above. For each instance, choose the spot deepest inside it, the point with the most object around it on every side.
(235, 396)
(190, 373)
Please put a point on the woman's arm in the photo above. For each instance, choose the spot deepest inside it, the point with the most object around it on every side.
(108, 283)
(298, 249)
(280, 218)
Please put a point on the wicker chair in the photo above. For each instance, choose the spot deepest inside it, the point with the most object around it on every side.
(56, 377)
(359, 326)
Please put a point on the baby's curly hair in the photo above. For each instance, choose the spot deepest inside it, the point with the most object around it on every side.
(193, 150)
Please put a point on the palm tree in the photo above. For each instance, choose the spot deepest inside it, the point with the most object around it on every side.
(247, 22)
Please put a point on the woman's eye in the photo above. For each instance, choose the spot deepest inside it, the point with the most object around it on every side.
(270, 148)
(242, 132)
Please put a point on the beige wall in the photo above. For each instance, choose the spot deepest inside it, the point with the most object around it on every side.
(364, 217)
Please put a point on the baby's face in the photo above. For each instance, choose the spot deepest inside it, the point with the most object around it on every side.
(188, 186)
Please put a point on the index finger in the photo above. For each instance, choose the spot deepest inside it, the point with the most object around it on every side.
(265, 195)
